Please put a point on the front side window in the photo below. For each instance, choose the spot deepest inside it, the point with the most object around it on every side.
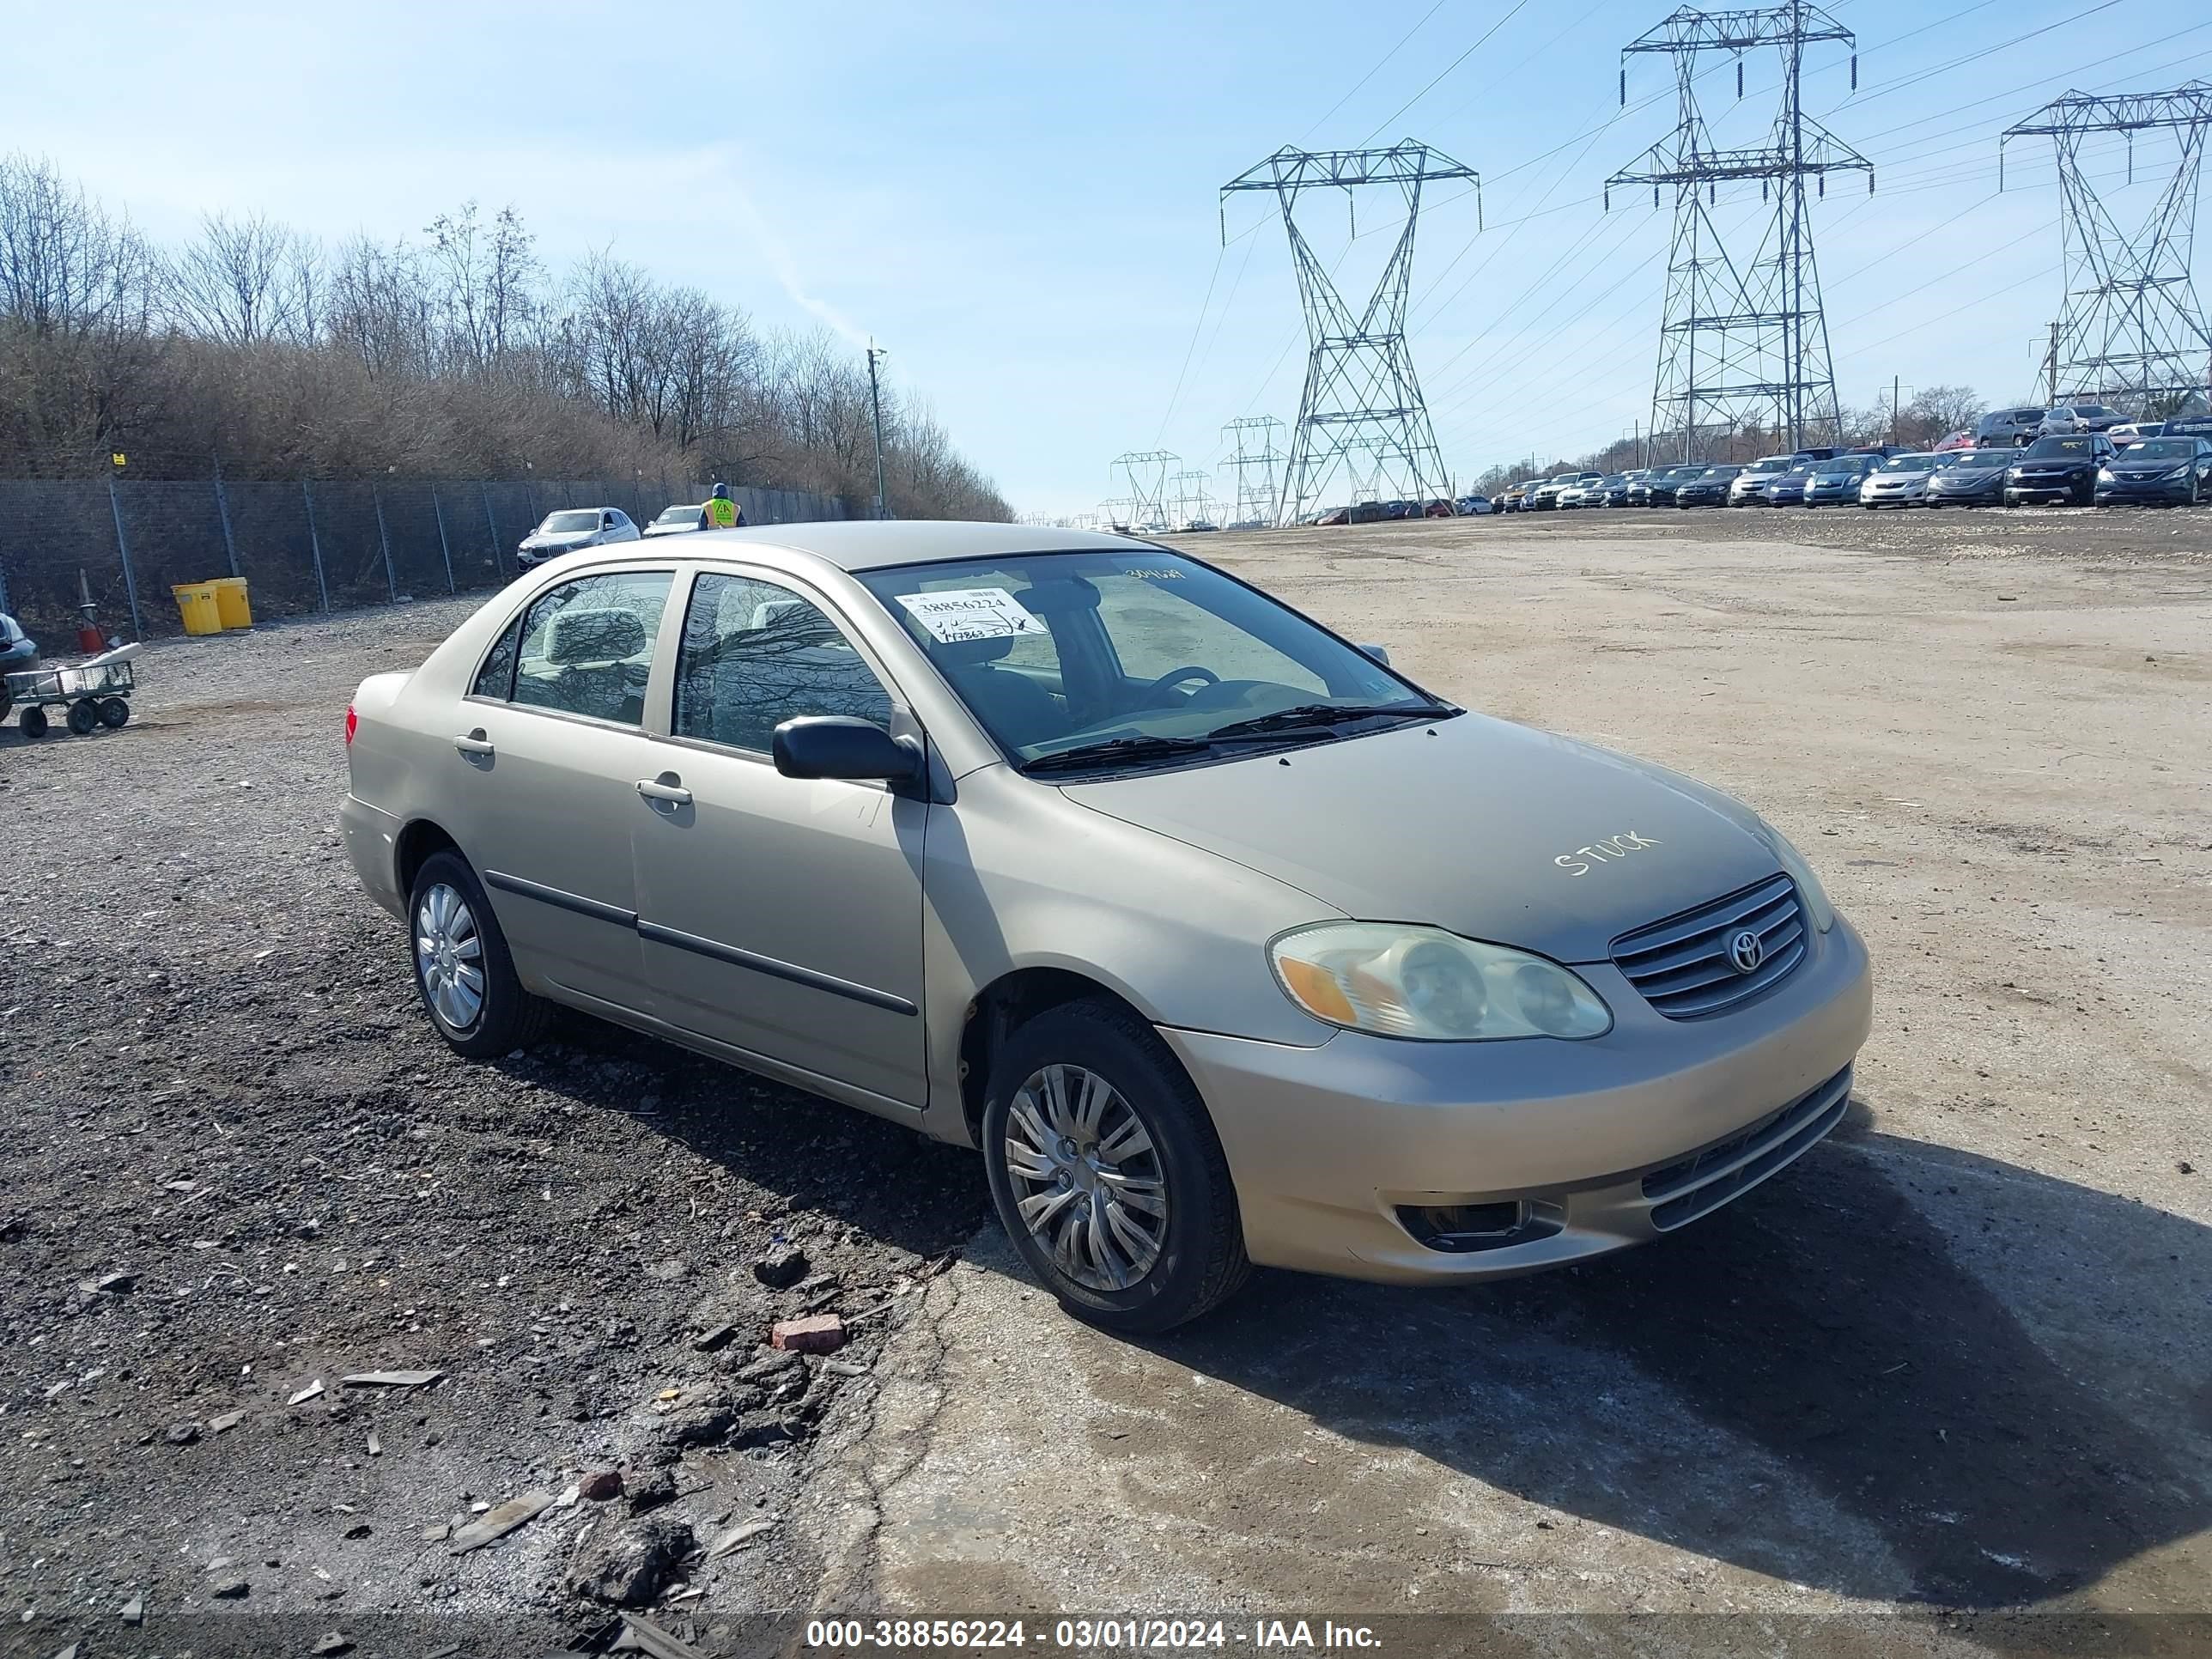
(1119, 661)
(755, 654)
(587, 645)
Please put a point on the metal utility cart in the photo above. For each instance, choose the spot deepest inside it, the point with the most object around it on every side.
(96, 692)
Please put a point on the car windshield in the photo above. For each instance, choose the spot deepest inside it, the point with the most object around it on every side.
(1846, 463)
(1115, 661)
(2151, 449)
(1722, 471)
(566, 524)
(1911, 462)
(2054, 449)
(677, 516)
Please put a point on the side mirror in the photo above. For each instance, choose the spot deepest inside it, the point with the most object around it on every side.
(839, 746)
(1380, 653)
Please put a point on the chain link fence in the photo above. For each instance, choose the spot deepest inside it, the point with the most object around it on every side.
(303, 548)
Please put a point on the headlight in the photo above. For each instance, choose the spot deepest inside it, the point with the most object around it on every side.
(2104, 475)
(1398, 979)
(1815, 896)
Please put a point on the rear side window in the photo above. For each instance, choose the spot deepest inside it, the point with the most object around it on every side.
(755, 654)
(587, 645)
(497, 677)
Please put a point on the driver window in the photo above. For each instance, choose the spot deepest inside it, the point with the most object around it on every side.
(1155, 632)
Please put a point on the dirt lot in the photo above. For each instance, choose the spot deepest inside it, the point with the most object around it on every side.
(1958, 1359)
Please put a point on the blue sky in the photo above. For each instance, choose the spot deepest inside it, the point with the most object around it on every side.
(1020, 200)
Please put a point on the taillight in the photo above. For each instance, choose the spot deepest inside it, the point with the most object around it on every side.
(352, 720)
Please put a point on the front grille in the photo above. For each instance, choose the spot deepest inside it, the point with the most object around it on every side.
(1701, 1183)
(1683, 965)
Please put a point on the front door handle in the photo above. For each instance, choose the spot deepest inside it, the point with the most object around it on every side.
(473, 743)
(666, 787)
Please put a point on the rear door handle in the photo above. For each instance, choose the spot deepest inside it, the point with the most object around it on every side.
(473, 743)
(666, 787)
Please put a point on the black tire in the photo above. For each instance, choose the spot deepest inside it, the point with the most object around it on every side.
(84, 718)
(33, 722)
(1201, 1259)
(508, 1017)
(114, 713)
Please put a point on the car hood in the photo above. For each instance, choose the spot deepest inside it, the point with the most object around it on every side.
(1952, 474)
(1494, 830)
(564, 538)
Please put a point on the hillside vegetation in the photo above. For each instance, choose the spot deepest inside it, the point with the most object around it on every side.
(458, 354)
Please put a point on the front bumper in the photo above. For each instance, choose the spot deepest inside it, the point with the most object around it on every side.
(2155, 492)
(1987, 496)
(1891, 495)
(2073, 488)
(1326, 1144)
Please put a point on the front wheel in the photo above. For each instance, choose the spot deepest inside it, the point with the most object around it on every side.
(114, 714)
(33, 722)
(1106, 1172)
(83, 718)
(463, 971)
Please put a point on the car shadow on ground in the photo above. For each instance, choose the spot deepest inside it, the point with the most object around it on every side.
(1824, 1331)
(1835, 1332)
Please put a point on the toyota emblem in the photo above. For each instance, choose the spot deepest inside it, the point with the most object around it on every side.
(1746, 951)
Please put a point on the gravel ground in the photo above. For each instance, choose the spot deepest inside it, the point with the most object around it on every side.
(239, 1165)
(218, 1085)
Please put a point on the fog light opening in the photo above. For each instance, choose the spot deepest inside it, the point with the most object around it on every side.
(1460, 1228)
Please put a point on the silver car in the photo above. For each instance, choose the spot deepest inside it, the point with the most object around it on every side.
(677, 520)
(1226, 942)
(571, 530)
(1900, 481)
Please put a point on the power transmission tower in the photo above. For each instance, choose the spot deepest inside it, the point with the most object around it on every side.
(1361, 398)
(1187, 498)
(1743, 341)
(1146, 470)
(2131, 331)
(1255, 463)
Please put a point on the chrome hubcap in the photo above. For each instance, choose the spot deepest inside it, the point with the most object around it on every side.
(449, 958)
(1087, 1180)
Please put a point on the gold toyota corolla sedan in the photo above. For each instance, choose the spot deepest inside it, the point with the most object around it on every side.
(1223, 940)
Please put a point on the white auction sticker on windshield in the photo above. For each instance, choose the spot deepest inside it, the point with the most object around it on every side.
(970, 613)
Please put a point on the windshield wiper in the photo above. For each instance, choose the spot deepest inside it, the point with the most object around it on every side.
(1115, 752)
(1320, 716)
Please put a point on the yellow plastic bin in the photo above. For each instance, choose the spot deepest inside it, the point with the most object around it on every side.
(230, 601)
(196, 603)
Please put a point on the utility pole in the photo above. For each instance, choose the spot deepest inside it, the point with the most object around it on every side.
(876, 401)
(2051, 364)
(1895, 382)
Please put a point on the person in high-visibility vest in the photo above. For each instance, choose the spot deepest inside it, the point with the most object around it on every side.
(720, 513)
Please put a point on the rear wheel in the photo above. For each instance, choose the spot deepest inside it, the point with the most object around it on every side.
(463, 971)
(1106, 1174)
(114, 713)
(33, 722)
(84, 718)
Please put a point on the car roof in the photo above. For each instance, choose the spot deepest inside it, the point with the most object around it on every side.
(866, 545)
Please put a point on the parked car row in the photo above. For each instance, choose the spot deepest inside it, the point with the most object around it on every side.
(2152, 462)
(1379, 511)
